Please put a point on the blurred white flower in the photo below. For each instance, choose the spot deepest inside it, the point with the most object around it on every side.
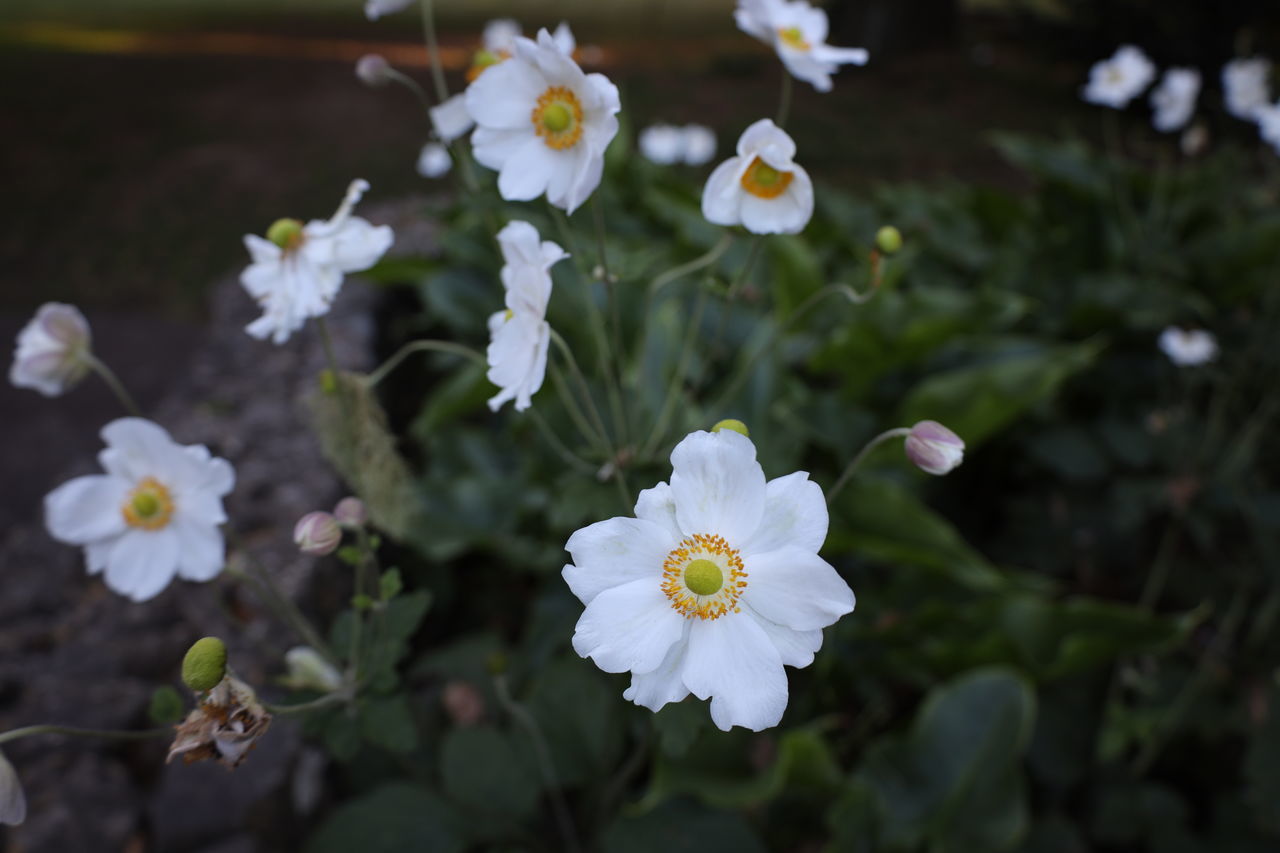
(451, 119)
(1268, 118)
(1188, 347)
(713, 587)
(500, 35)
(762, 188)
(1174, 100)
(1246, 86)
(375, 9)
(798, 32)
(153, 515)
(308, 670)
(699, 144)
(1195, 139)
(52, 352)
(434, 160)
(298, 269)
(662, 144)
(563, 37)
(1116, 81)
(13, 802)
(372, 70)
(543, 124)
(933, 448)
(520, 335)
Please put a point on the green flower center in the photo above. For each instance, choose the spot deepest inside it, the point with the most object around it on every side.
(146, 504)
(149, 506)
(556, 117)
(286, 233)
(703, 577)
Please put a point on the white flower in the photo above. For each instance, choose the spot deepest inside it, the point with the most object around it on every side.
(372, 69)
(517, 353)
(451, 119)
(662, 144)
(500, 35)
(297, 271)
(699, 144)
(933, 448)
(13, 802)
(52, 353)
(308, 670)
(1246, 86)
(434, 160)
(1268, 118)
(798, 32)
(543, 124)
(375, 9)
(563, 37)
(153, 515)
(1116, 81)
(1188, 347)
(1174, 100)
(712, 587)
(761, 188)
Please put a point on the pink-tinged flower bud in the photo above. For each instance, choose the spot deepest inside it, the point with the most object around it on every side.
(351, 511)
(933, 448)
(372, 69)
(464, 703)
(53, 350)
(317, 534)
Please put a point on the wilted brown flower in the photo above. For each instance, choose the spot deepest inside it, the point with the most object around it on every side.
(225, 726)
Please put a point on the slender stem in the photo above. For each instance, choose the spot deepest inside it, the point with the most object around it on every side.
(784, 101)
(113, 382)
(575, 411)
(1159, 574)
(422, 346)
(597, 215)
(752, 254)
(862, 454)
(677, 381)
(704, 260)
(592, 411)
(570, 458)
(326, 343)
(74, 731)
(338, 697)
(284, 607)
(558, 807)
(433, 51)
(616, 407)
(418, 92)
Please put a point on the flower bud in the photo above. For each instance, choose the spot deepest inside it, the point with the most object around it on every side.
(351, 512)
(464, 703)
(889, 240)
(372, 70)
(205, 664)
(933, 448)
(13, 803)
(317, 534)
(733, 424)
(53, 350)
(308, 670)
(434, 161)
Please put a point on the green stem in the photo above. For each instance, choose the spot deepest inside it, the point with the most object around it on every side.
(338, 697)
(1159, 574)
(418, 92)
(888, 434)
(433, 51)
(570, 458)
(677, 381)
(593, 412)
(784, 101)
(696, 264)
(422, 346)
(752, 254)
(74, 731)
(113, 382)
(576, 414)
(284, 608)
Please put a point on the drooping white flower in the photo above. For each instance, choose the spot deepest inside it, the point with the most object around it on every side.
(317, 534)
(662, 144)
(699, 144)
(375, 9)
(434, 160)
(1268, 118)
(372, 69)
(1188, 347)
(520, 335)
(1246, 86)
(298, 269)
(450, 119)
(798, 33)
(762, 188)
(13, 802)
(713, 587)
(1116, 81)
(53, 350)
(933, 448)
(154, 514)
(543, 124)
(1174, 100)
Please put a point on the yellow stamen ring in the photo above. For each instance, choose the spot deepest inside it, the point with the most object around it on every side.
(557, 118)
(149, 506)
(703, 577)
(764, 181)
(792, 37)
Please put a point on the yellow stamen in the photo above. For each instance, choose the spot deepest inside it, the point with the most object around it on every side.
(703, 577)
(149, 506)
(792, 37)
(557, 118)
(764, 181)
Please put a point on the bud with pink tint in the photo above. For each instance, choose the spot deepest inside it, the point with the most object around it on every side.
(53, 350)
(933, 448)
(351, 512)
(317, 534)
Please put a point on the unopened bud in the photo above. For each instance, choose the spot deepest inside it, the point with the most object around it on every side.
(732, 424)
(889, 240)
(317, 534)
(933, 448)
(308, 670)
(205, 664)
(464, 703)
(351, 512)
(373, 70)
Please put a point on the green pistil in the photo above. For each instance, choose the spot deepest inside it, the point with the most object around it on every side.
(703, 577)
(556, 117)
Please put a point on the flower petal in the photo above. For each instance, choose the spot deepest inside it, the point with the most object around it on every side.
(765, 134)
(503, 97)
(630, 627)
(796, 648)
(142, 563)
(796, 588)
(654, 689)
(719, 487)
(527, 172)
(203, 552)
(616, 551)
(138, 448)
(733, 661)
(658, 505)
(722, 196)
(795, 514)
(86, 509)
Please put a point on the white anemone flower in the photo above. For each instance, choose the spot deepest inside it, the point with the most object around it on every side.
(375, 9)
(298, 269)
(1246, 85)
(434, 160)
(13, 802)
(53, 350)
(450, 118)
(517, 353)
(543, 124)
(712, 587)
(1188, 347)
(798, 33)
(1116, 81)
(154, 514)
(762, 188)
(1174, 100)
(1268, 118)
(662, 144)
(699, 144)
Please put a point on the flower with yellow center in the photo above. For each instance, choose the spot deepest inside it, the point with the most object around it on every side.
(154, 514)
(762, 188)
(1116, 81)
(713, 587)
(543, 124)
(798, 33)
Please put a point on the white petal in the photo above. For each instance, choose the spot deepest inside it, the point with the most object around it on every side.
(789, 213)
(841, 55)
(492, 148)
(585, 169)
(796, 588)
(658, 505)
(795, 514)
(765, 134)
(525, 175)
(805, 67)
(722, 196)
(504, 96)
(630, 627)
(203, 552)
(719, 487)
(732, 660)
(796, 648)
(452, 119)
(138, 448)
(86, 509)
(95, 555)
(354, 247)
(13, 802)
(654, 689)
(142, 563)
(614, 552)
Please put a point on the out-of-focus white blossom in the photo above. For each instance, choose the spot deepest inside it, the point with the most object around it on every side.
(1246, 86)
(666, 144)
(13, 802)
(1174, 100)
(372, 69)
(53, 350)
(1116, 81)
(798, 33)
(1188, 347)
(434, 161)
(450, 119)
(762, 188)
(375, 9)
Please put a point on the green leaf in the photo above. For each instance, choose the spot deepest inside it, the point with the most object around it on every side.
(678, 725)
(166, 706)
(482, 769)
(681, 827)
(577, 708)
(390, 584)
(391, 819)
(388, 722)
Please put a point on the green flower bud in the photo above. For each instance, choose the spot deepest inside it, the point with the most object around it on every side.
(733, 424)
(889, 240)
(205, 664)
